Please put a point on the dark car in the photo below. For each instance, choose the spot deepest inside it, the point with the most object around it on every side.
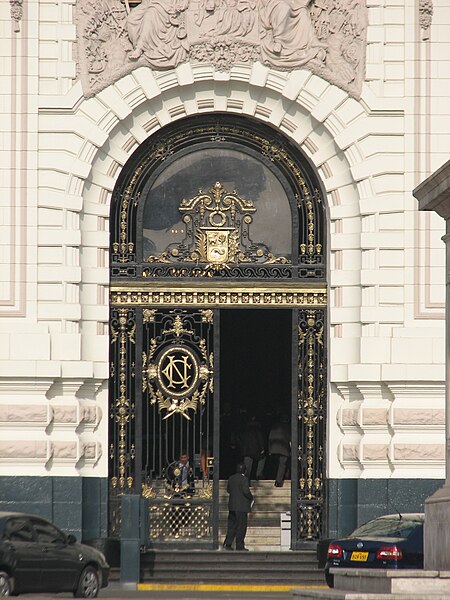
(389, 542)
(36, 556)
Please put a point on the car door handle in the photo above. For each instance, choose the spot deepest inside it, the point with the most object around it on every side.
(44, 549)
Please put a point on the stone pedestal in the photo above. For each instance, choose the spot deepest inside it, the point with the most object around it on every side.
(437, 530)
(434, 581)
(379, 584)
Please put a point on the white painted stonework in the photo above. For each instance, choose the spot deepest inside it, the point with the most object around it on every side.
(61, 154)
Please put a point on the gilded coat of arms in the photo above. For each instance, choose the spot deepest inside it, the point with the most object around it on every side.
(218, 233)
(217, 245)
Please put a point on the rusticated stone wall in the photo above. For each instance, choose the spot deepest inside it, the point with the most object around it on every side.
(390, 427)
(52, 427)
(61, 154)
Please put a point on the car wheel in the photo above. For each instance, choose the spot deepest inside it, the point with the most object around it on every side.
(88, 584)
(329, 578)
(5, 584)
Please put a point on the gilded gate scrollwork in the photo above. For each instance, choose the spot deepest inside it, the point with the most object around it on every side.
(122, 451)
(186, 260)
(176, 376)
(165, 306)
(312, 419)
(177, 413)
(218, 233)
(123, 330)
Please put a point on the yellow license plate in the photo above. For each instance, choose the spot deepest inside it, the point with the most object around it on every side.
(360, 556)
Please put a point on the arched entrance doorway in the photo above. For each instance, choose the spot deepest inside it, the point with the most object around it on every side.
(218, 312)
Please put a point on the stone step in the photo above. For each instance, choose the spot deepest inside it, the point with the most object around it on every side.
(261, 502)
(274, 533)
(262, 486)
(243, 567)
(264, 527)
(264, 492)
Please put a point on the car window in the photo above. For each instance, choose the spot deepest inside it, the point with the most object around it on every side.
(387, 528)
(18, 530)
(48, 533)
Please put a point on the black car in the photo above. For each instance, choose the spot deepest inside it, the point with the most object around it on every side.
(36, 556)
(389, 542)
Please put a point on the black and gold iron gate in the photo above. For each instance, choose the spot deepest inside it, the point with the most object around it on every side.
(210, 214)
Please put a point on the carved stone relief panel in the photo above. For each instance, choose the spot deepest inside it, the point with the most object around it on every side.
(327, 38)
(16, 7)
(425, 17)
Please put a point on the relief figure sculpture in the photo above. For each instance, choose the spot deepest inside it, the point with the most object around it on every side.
(157, 33)
(237, 17)
(288, 36)
(217, 18)
(327, 38)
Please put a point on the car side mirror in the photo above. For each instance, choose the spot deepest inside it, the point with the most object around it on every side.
(71, 539)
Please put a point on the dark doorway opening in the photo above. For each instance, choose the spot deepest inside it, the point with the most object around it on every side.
(255, 377)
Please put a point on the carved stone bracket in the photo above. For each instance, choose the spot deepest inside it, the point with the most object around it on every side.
(16, 7)
(328, 39)
(425, 17)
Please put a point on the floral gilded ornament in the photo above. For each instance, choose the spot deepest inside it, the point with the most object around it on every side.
(311, 410)
(122, 409)
(177, 377)
(218, 225)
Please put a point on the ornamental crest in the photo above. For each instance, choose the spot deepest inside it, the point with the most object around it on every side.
(218, 233)
(217, 245)
(176, 374)
(116, 36)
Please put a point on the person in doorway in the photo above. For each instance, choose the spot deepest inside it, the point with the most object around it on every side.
(240, 503)
(184, 474)
(280, 447)
(251, 442)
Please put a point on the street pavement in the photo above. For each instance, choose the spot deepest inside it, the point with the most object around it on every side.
(159, 595)
(116, 591)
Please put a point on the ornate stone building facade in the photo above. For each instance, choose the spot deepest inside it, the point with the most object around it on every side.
(359, 91)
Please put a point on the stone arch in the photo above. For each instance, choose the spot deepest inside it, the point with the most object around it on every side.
(335, 132)
(320, 118)
(135, 330)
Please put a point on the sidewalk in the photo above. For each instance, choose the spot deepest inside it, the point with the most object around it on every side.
(188, 592)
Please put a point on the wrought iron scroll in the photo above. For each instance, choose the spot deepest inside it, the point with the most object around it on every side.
(187, 521)
(122, 450)
(123, 256)
(205, 130)
(177, 369)
(312, 419)
(311, 235)
(218, 235)
(177, 418)
(241, 271)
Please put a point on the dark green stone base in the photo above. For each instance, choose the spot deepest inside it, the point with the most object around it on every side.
(78, 505)
(352, 502)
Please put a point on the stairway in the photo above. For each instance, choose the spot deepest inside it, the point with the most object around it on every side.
(265, 564)
(221, 567)
(263, 532)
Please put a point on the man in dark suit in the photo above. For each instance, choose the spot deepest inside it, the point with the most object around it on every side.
(280, 446)
(239, 505)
